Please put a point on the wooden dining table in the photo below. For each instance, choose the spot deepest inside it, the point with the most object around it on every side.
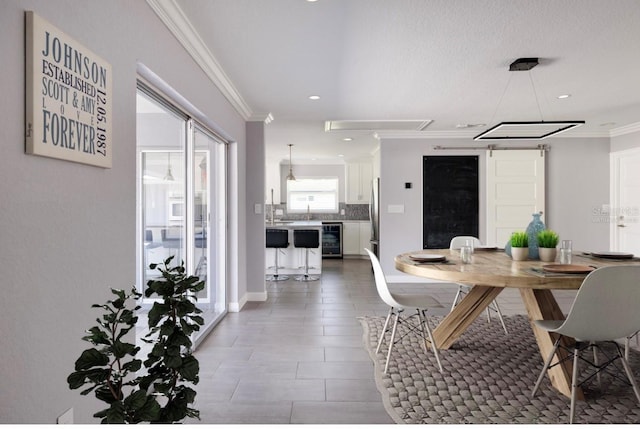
(489, 273)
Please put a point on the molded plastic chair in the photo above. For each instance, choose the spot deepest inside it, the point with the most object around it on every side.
(397, 304)
(455, 244)
(604, 310)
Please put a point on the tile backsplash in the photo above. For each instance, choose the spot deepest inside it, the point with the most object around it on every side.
(351, 212)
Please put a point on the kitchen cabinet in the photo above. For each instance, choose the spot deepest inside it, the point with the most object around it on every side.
(272, 181)
(359, 178)
(355, 237)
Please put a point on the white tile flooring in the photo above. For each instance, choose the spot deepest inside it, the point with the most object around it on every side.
(298, 357)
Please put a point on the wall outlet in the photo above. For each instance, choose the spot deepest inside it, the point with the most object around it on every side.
(66, 418)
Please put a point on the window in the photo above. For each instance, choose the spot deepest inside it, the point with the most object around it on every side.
(318, 195)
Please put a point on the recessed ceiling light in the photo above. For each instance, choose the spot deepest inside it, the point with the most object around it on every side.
(314, 97)
(563, 96)
(347, 139)
(340, 155)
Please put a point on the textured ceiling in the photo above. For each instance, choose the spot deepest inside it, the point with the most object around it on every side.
(441, 60)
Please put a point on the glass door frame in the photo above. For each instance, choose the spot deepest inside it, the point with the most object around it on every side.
(217, 187)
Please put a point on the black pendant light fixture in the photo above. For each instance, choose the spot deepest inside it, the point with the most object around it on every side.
(290, 176)
(526, 130)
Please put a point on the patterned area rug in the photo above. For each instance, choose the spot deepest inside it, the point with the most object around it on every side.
(488, 377)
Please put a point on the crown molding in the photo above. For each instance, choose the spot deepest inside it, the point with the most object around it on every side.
(267, 118)
(627, 129)
(175, 20)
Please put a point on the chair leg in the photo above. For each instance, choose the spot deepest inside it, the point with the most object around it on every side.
(595, 362)
(455, 300)
(632, 380)
(627, 344)
(425, 324)
(574, 382)
(545, 367)
(384, 329)
(393, 338)
(495, 302)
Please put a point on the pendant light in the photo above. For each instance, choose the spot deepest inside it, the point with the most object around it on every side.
(290, 176)
(526, 130)
(169, 176)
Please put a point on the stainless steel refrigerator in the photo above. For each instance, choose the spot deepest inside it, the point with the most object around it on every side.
(374, 216)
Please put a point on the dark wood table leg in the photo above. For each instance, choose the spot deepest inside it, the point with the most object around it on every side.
(463, 315)
(542, 305)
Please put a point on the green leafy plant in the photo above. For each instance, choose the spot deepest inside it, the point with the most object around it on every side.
(519, 239)
(108, 368)
(171, 367)
(548, 239)
(162, 394)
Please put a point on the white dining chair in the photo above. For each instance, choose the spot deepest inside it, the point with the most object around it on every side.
(455, 244)
(397, 304)
(604, 310)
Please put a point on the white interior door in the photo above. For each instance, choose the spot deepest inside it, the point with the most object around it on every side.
(624, 212)
(515, 190)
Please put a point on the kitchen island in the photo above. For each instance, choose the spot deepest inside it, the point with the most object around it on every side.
(291, 259)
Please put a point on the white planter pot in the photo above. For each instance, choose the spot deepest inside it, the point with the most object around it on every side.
(520, 253)
(547, 254)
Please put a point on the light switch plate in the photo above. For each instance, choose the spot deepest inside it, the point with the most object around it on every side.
(257, 208)
(393, 208)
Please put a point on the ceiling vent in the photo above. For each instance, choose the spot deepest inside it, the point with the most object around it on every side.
(373, 125)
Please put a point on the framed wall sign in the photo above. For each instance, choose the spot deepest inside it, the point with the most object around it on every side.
(68, 97)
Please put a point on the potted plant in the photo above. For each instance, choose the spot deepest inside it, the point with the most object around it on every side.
(547, 242)
(519, 246)
(171, 367)
(109, 367)
(112, 369)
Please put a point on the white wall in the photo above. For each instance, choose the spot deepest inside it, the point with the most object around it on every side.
(577, 182)
(68, 230)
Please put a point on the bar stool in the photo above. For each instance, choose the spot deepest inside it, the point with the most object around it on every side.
(306, 239)
(277, 239)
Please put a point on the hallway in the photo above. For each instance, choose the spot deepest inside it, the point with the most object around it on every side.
(298, 357)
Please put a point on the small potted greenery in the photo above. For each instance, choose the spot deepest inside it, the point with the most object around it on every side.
(547, 242)
(519, 246)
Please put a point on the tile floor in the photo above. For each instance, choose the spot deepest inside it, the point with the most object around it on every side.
(298, 357)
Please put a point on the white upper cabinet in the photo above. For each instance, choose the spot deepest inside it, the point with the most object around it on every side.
(272, 181)
(359, 177)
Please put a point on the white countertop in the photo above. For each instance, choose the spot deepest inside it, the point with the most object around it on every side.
(294, 224)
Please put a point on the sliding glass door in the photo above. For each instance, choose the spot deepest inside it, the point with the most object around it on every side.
(181, 201)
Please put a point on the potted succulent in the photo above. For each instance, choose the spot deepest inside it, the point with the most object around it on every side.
(519, 246)
(547, 242)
